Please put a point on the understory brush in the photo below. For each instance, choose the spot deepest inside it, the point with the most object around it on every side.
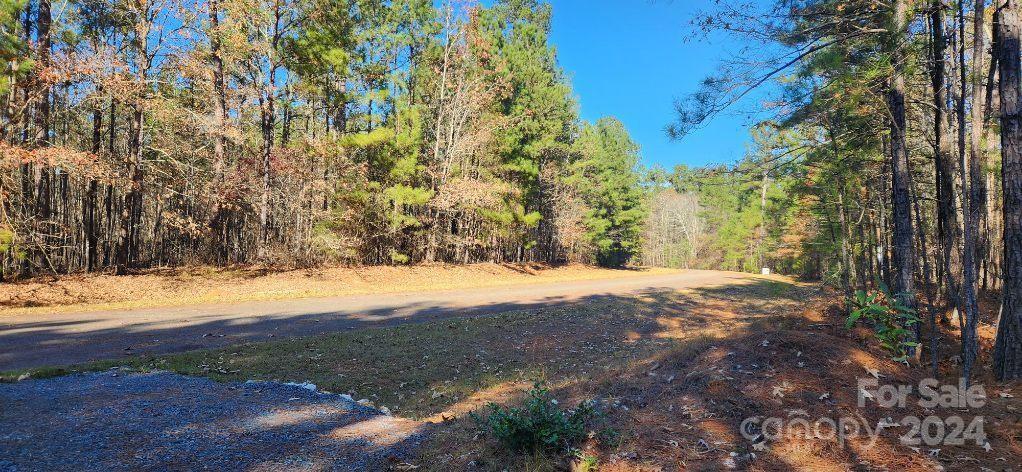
(541, 426)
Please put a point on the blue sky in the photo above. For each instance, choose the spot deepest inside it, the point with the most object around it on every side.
(630, 59)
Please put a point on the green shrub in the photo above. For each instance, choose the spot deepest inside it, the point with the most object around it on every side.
(539, 425)
(9, 242)
(587, 463)
(6, 239)
(890, 319)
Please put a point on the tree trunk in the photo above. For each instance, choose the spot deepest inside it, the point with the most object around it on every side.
(89, 208)
(947, 216)
(219, 90)
(42, 117)
(846, 265)
(968, 304)
(42, 134)
(222, 215)
(977, 158)
(846, 276)
(1008, 346)
(131, 214)
(931, 309)
(902, 251)
(761, 231)
(267, 122)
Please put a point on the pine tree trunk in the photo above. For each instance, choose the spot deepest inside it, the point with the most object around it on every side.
(42, 135)
(219, 90)
(931, 309)
(89, 208)
(846, 276)
(42, 117)
(131, 213)
(222, 215)
(1008, 346)
(267, 135)
(947, 216)
(902, 250)
(977, 158)
(967, 300)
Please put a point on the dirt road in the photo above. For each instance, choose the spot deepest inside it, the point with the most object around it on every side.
(71, 338)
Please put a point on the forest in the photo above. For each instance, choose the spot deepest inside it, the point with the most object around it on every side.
(890, 162)
(141, 134)
(149, 133)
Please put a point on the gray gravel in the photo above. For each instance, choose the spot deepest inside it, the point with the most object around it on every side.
(117, 420)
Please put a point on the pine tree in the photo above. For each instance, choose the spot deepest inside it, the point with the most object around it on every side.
(605, 174)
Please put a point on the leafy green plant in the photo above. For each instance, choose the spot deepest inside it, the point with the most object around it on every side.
(891, 319)
(6, 239)
(9, 242)
(587, 462)
(539, 425)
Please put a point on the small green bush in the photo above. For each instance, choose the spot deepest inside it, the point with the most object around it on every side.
(587, 463)
(890, 319)
(539, 425)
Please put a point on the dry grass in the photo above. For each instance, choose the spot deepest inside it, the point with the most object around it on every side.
(198, 285)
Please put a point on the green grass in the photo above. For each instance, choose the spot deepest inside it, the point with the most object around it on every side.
(36, 373)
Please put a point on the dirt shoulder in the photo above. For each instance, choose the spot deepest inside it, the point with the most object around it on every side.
(202, 285)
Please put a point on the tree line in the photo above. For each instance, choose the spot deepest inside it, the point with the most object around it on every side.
(145, 133)
(892, 156)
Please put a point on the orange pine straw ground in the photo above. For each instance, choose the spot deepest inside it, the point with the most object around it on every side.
(680, 408)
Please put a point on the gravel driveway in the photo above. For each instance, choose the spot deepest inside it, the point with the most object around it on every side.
(161, 421)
